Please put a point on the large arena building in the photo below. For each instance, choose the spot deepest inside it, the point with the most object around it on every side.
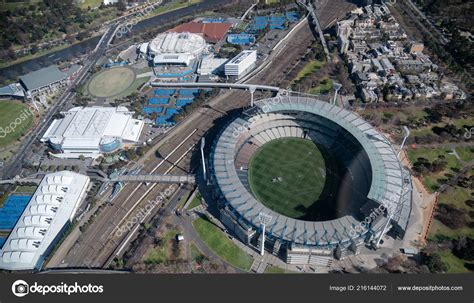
(174, 48)
(326, 178)
(92, 131)
(49, 212)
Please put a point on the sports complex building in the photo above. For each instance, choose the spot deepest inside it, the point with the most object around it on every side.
(174, 48)
(92, 131)
(349, 188)
(46, 216)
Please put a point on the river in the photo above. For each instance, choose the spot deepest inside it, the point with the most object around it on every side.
(81, 48)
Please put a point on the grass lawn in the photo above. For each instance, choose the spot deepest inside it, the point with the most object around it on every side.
(324, 87)
(183, 199)
(132, 88)
(221, 245)
(9, 112)
(455, 197)
(13, 5)
(163, 252)
(111, 82)
(455, 265)
(25, 189)
(288, 175)
(276, 270)
(196, 201)
(89, 3)
(195, 254)
(309, 68)
(172, 6)
(465, 153)
(459, 123)
(431, 154)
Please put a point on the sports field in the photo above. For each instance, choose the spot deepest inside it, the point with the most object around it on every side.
(111, 82)
(288, 175)
(15, 120)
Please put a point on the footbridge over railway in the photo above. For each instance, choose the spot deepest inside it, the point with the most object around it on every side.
(155, 178)
(250, 87)
(309, 6)
(21, 181)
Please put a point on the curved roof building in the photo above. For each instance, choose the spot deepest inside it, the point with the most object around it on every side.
(176, 48)
(377, 177)
(91, 131)
(51, 208)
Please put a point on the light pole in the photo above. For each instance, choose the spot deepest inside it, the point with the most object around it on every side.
(337, 87)
(252, 91)
(407, 133)
(264, 219)
(203, 143)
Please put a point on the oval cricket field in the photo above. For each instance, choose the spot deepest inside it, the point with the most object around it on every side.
(111, 82)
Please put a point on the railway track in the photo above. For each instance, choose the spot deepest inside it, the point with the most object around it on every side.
(100, 243)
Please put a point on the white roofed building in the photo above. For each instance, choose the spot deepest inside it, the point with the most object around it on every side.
(92, 131)
(241, 64)
(174, 48)
(49, 211)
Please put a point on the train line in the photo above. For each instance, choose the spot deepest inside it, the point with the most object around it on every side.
(100, 243)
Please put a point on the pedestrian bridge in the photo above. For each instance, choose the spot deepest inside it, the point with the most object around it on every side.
(190, 179)
(250, 87)
(20, 181)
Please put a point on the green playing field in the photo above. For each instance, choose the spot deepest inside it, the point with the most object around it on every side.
(288, 175)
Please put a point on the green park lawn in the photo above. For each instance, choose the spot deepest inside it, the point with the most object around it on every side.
(221, 245)
(15, 121)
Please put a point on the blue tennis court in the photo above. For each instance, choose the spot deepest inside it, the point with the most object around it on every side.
(273, 21)
(292, 16)
(170, 112)
(184, 101)
(12, 210)
(210, 20)
(241, 39)
(188, 92)
(164, 92)
(156, 101)
(150, 110)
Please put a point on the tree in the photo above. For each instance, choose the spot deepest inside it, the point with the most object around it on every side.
(435, 263)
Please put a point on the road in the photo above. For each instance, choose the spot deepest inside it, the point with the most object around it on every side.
(95, 245)
(17, 160)
(73, 51)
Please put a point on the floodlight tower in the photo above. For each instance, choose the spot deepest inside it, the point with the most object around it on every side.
(203, 143)
(337, 87)
(264, 219)
(252, 90)
(407, 133)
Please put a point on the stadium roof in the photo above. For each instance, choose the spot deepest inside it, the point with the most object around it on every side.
(387, 179)
(177, 43)
(12, 90)
(212, 32)
(42, 77)
(51, 207)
